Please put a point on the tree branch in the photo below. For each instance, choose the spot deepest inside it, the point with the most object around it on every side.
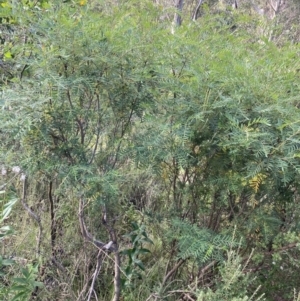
(117, 260)
(173, 270)
(95, 275)
(195, 14)
(276, 7)
(97, 243)
(111, 246)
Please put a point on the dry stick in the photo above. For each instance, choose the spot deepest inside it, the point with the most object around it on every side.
(96, 273)
(206, 268)
(185, 293)
(97, 243)
(175, 268)
(113, 237)
(179, 291)
(154, 295)
(96, 296)
(276, 7)
(87, 236)
(103, 247)
(85, 286)
(188, 296)
(83, 291)
(34, 216)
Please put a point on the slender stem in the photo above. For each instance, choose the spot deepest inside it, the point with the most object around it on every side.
(34, 216)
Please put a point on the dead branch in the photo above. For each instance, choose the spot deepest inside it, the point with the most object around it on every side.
(117, 261)
(95, 275)
(97, 243)
(173, 270)
(185, 293)
(110, 246)
(206, 268)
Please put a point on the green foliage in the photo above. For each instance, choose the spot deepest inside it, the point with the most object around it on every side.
(14, 288)
(200, 244)
(8, 206)
(4, 231)
(137, 238)
(201, 127)
(25, 285)
(233, 283)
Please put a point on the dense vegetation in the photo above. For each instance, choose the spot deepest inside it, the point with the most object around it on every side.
(143, 160)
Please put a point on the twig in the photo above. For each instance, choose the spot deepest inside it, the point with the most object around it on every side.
(95, 275)
(184, 292)
(206, 268)
(154, 295)
(117, 261)
(58, 264)
(99, 244)
(188, 296)
(174, 269)
(275, 8)
(111, 246)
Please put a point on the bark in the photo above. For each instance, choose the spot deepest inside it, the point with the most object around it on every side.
(196, 12)
(177, 17)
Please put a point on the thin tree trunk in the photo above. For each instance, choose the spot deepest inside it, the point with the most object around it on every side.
(177, 17)
(195, 14)
(117, 278)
